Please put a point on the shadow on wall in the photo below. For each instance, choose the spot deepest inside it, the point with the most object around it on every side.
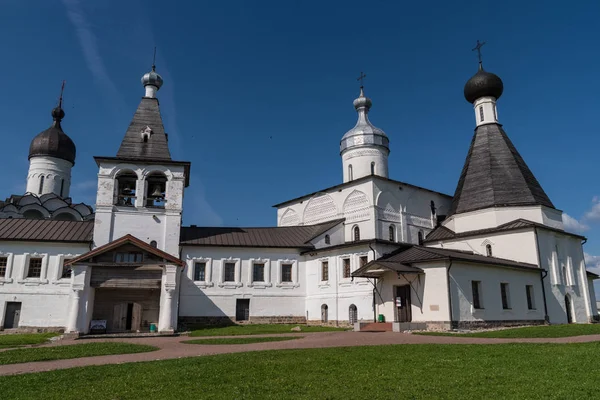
(204, 311)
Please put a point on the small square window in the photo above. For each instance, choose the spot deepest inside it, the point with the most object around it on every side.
(346, 265)
(229, 272)
(286, 272)
(35, 268)
(199, 271)
(3, 266)
(324, 270)
(258, 273)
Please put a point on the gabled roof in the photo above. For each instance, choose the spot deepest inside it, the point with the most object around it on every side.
(443, 233)
(127, 239)
(133, 145)
(495, 175)
(420, 254)
(283, 237)
(44, 230)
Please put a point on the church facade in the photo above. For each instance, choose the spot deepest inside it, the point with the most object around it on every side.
(369, 249)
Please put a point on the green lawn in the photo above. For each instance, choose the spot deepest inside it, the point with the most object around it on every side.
(10, 340)
(258, 329)
(549, 331)
(70, 351)
(507, 371)
(244, 340)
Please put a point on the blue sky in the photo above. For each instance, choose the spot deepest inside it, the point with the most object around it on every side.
(258, 94)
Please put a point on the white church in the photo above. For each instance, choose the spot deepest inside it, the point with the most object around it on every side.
(371, 249)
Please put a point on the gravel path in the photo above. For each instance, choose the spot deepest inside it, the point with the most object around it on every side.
(171, 347)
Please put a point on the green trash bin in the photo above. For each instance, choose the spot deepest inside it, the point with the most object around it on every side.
(152, 328)
(381, 318)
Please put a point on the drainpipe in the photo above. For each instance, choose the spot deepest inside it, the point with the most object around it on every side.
(543, 275)
(449, 293)
(374, 287)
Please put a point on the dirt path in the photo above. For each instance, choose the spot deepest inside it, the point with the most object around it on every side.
(171, 347)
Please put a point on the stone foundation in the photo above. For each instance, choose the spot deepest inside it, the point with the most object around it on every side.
(187, 323)
(276, 320)
(336, 324)
(34, 329)
(495, 324)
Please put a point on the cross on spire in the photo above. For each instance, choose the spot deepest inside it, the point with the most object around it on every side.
(154, 60)
(478, 48)
(62, 89)
(361, 78)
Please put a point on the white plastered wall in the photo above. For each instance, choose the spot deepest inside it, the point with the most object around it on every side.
(54, 170)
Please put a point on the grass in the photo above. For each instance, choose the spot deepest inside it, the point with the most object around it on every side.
(15, 340)
(258, 329)
(70, 351)
(244, 340)
(511, 371)
(549, 331)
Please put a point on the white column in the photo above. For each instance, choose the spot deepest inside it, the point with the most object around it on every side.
(165, 323)
(74, 311)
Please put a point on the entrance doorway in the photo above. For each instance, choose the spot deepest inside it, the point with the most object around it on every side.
(12, 315)
(568, 309)
(242, 309)
(127, 317)
(403, 305)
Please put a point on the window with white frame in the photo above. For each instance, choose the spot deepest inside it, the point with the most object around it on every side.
(476, 293)
(3, 266)
(530, 297)
(258, 272)
(346, 268)
(324, 270)
(286, 272)
(200, 271)
(229, 272)
(34, 269)
(66, 270)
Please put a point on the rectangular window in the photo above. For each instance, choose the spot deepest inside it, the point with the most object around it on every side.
(35, 268)
(258, 273)
(324, 270)
(529, 292)
(505, 297)
(363, 260)
(229, 272)
(66, 271)
(200, 271)
(3, 266)
(480, 113)
(130, 257)
(286, 272)
(346, 266)
(475, 289)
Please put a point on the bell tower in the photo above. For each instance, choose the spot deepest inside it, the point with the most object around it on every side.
(140, 190)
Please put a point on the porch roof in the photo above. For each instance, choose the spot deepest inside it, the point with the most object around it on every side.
(127, 239)
(403, 259)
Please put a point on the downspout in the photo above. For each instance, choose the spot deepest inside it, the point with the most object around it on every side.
(543, 275)
(449, 294)
(374, 289)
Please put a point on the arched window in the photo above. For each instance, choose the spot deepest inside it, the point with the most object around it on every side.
(352, 314)
(356, 231)
(373, 168)
(126, 191)
(327, 239)
(564, 275)
(392, 235)
(420, 237)
(481, 113)
(324, 313)
(153, 244)
(350, 172)
(41, 188)
(488, 250)
(156, 187)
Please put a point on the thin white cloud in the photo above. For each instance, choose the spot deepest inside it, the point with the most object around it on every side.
(573, 225)
(594, 212)
(592, 263)
(89, 46)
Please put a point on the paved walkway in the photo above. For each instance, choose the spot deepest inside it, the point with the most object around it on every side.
(171, 347)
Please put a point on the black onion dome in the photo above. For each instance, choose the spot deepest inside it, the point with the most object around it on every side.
(53, 142)
(483, 84)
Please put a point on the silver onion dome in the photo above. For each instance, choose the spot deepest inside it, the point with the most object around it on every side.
(364, 132)
(152, 78)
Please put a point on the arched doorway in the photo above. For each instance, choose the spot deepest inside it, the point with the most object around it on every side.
(324, 316)
(352, 314)
(568, 309)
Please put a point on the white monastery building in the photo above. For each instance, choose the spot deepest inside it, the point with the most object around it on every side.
(369, 249)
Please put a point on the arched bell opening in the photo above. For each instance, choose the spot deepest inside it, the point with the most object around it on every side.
(126, 188)
(156, 188)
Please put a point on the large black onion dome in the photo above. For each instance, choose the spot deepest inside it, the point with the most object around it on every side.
(483, 84)
(53, 142)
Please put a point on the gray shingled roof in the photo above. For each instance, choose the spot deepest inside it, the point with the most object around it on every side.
(443, 233)
(288, 236)
(44, 230)
(420, 254)
(495, 175)
(133, 145)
